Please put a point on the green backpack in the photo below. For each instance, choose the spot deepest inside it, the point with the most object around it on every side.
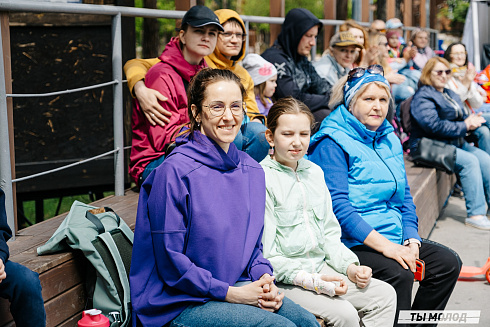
(107, 242)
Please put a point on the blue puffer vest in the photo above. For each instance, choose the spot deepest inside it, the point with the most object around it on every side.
(376, 171)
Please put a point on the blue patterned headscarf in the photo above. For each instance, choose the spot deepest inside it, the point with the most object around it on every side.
(352, 86)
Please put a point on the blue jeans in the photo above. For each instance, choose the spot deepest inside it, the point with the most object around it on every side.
(23, 289)
(215, 313)
(473, 169)
(251, 140)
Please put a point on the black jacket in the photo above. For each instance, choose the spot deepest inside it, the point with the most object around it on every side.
(296, 76)
(5, 232)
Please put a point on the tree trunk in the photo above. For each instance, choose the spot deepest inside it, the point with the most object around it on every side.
(150, 41)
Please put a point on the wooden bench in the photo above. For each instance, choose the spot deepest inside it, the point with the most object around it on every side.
(62, 275)
(430, 190)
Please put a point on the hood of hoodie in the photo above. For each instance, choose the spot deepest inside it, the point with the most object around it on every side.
(204, 150)
(217, 57)
(172, 55)
(297, 22)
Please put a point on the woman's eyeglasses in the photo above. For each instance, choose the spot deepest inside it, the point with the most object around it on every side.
(360, 71)
(217, 108)
(229, 35)
(439, 72)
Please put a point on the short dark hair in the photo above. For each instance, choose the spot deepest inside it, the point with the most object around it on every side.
(447, 53)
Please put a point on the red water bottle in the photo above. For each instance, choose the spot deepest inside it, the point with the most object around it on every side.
(93, 318)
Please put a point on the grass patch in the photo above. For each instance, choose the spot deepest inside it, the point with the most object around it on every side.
(51, 205)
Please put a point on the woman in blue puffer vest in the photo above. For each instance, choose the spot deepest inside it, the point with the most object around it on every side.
(362, 161)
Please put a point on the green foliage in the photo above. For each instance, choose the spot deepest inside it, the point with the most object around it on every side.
(315, 6)
(167, 26)
(455, 10)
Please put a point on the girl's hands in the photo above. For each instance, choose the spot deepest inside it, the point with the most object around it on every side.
(339, 290)
(148, 101)
(360, 275)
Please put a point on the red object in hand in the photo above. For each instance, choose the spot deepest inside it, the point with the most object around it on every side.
(419, 269)
(93, 318)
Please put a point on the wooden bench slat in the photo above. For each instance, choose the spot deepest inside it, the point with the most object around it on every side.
(65, 305)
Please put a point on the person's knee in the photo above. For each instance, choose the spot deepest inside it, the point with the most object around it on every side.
(24, 280)
(345, 315)
(471, 164)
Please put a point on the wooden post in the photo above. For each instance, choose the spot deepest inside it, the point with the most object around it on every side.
(407, 16)
(184, 4)
(276, 10)
(433, 14)
(151, 40)
(5, 30)
(365, 9)
(390, 9)
(329, 12)
(423, 14)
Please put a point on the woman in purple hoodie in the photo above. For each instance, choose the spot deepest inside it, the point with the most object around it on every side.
(197, 256)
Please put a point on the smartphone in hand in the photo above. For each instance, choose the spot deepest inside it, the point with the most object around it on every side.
(420, 269)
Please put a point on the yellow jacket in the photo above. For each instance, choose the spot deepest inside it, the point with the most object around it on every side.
(136, 69)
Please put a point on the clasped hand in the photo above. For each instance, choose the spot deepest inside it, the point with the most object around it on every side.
(262, 293)
(474, 121)
(360, 275)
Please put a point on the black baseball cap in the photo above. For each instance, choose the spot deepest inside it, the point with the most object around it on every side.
(199, 16)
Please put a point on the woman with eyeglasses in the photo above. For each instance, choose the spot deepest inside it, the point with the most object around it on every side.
(229, 52)
(197, 256)
(363, 166)
(462, 77)
(437, 113)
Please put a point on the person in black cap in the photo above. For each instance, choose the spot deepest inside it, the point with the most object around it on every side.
(296, 76)
(182, 58)
(18, 284)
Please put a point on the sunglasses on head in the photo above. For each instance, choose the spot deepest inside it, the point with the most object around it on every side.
(439, 72)
(360, 71)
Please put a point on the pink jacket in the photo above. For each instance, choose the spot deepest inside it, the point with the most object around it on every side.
(167, 77)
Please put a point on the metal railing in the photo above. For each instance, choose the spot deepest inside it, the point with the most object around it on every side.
(116, 12)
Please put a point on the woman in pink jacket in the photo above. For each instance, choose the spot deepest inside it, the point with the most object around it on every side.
(182, 58)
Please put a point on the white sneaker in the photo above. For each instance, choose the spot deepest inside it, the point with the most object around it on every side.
(481, 223)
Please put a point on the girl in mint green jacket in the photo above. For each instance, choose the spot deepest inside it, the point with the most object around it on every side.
(302, 235)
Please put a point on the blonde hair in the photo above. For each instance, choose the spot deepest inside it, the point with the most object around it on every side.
(350, 23)
(429, 66)
(259, 91)
(337, 95)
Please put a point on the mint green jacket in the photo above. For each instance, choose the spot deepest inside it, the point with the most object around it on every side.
(301, 231)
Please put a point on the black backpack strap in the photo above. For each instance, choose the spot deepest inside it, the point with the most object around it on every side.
(94, 220)
(90, 215)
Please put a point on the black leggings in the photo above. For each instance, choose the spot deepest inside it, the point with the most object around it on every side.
(442, 267)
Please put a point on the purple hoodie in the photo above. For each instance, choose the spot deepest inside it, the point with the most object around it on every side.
(198, 229)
